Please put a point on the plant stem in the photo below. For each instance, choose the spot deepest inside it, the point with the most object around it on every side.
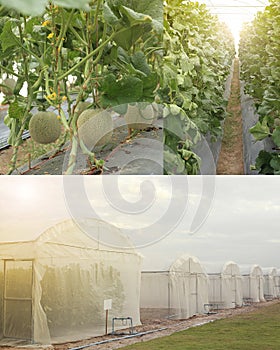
(91, 54)
(19, 135)
(73, 154)
(73, 30)
(7, 70)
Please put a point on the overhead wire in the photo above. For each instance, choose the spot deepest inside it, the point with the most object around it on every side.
(217, 9)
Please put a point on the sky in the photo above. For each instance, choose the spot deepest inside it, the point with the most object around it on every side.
(235, 12)
(215, 218)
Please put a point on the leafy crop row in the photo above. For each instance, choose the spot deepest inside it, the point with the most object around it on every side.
(120, 52)
(260, 68)
(198, 56)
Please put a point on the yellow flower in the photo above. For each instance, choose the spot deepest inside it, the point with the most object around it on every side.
(50, 36)
(52, 96)
(58, 117)
(64, 98)
(46, 23)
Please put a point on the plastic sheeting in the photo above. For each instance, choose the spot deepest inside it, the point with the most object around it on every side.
(53, 289)
(253, 282)
(278, 283)
(270, 282)
(251, 147)
(180, 292)
(225, 284)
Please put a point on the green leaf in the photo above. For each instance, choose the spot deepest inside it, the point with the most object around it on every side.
(174, 109)
(152, 8)
(109, 15)
(276, 136)
(16, 110)
(7, 37)
(129, 36)
(263, 163)
(139, 61)
(260, 131)
(275, 163)
(173, 163)
(149, 85)
(37, 7)
(133, 17)
(123, 56)
(116, 92)
(27, 7)
(74, 4)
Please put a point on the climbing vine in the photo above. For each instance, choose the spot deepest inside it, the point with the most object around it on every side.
(260, 68)
(177, 55)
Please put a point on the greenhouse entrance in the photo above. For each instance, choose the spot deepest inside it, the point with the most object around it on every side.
(17, 295)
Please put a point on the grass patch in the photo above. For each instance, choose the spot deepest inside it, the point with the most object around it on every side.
(258, 330)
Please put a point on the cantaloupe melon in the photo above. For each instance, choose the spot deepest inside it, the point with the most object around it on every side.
(11, 84)
(95, 127)
(44, 127)
(138, 117)
(82, 106)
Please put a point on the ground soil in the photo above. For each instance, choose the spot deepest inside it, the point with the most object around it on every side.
(231, 157)
(162, 327)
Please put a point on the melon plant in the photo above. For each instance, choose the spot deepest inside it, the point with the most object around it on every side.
(45, 45)
(139, 116)
(44, 127)
(260, 69)
(95, 127)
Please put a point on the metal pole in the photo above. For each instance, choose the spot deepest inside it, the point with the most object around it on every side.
(106, 322)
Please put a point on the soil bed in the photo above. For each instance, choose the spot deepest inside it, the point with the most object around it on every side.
(231, 160)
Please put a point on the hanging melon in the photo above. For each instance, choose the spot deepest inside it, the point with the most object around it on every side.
(44, 127)
(139, 116)
(95, 127)
(8, 90)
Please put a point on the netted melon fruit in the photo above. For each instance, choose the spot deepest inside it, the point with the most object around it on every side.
(95, 127)
(44, 127)
(82, 106)
(11, 84)
(137, 117)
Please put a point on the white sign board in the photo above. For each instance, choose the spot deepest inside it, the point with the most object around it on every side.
(108, 304)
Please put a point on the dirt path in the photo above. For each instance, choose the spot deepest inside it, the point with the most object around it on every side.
(231, 157)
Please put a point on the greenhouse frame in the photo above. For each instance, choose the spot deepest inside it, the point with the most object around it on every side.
(225, 284)
(54, 288)
(270, 282)
(180, 291)
(253, 283)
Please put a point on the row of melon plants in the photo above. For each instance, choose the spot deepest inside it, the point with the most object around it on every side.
(175, 55)
(260, 69)
(197, 59)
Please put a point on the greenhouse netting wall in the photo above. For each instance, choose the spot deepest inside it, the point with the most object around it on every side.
(253, 282)
(53, 289)
(225, 284)
(278, 283)
(270, 282)
(179, 292)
